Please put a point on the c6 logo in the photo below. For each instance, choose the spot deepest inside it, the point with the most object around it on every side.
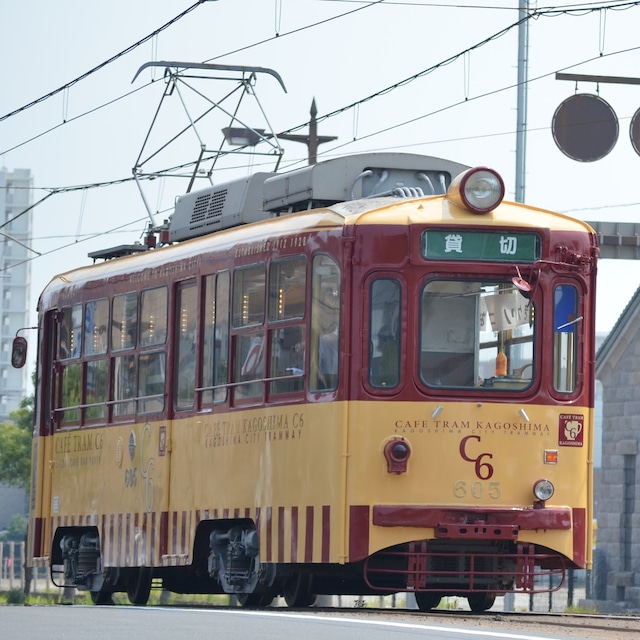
(483, 469)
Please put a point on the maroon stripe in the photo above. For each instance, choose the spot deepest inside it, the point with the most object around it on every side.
(38, 528)
(247, 512)
(308, 536)
(294, 534)
(183, 544)
(136, 529)
(127, 541)
(281, 515)
(269, 537)
(119, 543)
(358, 532)
(111, 537)
(152, 560)
(326, 532)
(164, 532)
(174, 532)
(579, 536)
(145, 541)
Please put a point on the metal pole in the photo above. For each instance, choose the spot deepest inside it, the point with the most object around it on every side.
(523, 77)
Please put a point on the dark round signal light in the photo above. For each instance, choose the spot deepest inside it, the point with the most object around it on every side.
(397, 452)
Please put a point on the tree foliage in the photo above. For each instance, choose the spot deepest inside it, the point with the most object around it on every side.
(16, 529)
(15, 446)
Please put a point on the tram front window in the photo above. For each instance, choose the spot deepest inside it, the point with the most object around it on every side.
(476, 334)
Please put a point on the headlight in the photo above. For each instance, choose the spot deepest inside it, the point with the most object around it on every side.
(479, 190)
(543, 489)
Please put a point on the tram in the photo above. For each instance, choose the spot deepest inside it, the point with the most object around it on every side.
(372, 375)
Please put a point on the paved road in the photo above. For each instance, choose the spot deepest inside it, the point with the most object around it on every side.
(133, 623)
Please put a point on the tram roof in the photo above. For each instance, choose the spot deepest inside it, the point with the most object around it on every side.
(374, 211)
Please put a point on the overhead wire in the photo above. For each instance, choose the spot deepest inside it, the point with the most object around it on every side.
(477, 97)
(102, 64)
(65, 121)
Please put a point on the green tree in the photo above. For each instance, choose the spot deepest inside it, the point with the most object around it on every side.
(16, 529)
(15, 446)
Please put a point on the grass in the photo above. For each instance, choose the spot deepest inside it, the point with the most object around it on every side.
(83, 598)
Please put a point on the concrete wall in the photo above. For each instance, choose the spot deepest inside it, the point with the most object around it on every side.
(617, 490)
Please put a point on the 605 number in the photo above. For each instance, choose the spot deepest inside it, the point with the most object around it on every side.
(477, 489)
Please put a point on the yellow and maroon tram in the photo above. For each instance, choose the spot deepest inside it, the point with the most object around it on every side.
(368, 376)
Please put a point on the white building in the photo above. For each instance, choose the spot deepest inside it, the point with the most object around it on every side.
(15, 277)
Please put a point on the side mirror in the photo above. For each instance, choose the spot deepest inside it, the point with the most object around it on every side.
(19, 352)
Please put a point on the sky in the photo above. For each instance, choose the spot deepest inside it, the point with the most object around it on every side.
(433, 78)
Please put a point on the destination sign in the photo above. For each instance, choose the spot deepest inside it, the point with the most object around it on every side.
(457, 244)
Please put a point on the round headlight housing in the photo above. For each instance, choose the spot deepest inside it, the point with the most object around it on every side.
(543, 489)
(479, 190)
(397, 452)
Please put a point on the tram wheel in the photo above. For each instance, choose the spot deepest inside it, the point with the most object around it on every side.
(297, 590)
(427, 601)
(101, 597)
(255, 599)
(139, 586)
(479, 602)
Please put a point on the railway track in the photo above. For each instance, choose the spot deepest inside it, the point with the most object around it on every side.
(601, 627)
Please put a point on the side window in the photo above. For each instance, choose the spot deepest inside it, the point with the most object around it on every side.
(124, 336)
(186, 332)
(96, 389)
(96, 321)
(384, 333)
(69, 348)
(248, 296)
(325, 324)
(124, 385)
(249, 364)
(124, 321)
(215, 358)
(287, 302)
(287, 288)
(70, 334)
(153, 317)
(287, 359)
(565, 338)
(248, 310)
(151, 377)
(221, 346)
(71, 394)
(152, 365)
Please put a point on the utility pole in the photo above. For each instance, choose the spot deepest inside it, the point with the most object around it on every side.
(523, 79)
(313, 139)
